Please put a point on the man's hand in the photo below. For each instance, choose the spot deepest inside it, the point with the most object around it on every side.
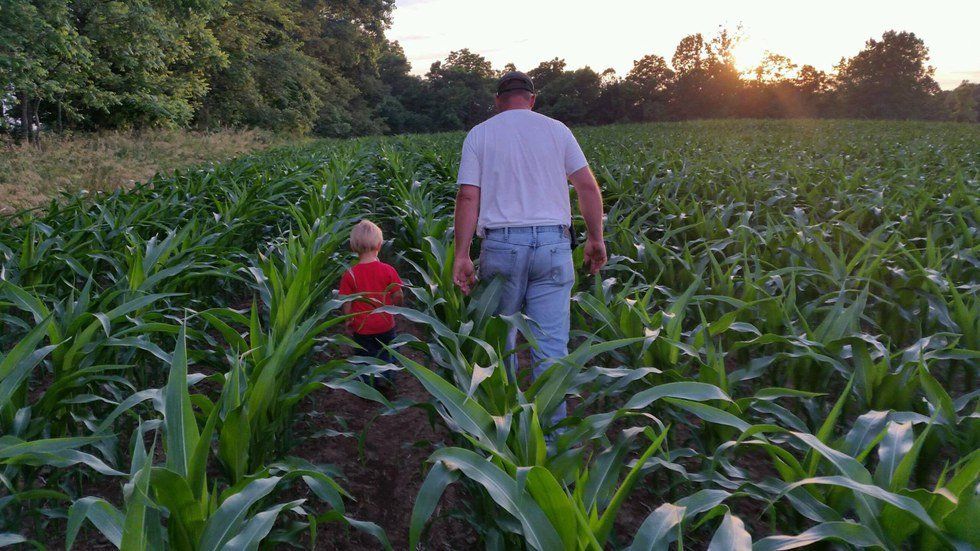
(464, 274)
(594, 255)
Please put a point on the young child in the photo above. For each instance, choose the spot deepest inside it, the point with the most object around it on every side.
(380, 285)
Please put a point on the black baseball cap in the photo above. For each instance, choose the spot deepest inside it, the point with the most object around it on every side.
(514, 80)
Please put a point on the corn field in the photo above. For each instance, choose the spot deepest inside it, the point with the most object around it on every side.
(781, 353)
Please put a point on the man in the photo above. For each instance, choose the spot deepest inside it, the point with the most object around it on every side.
(513, 192)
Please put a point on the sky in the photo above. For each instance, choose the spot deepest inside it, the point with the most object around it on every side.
(614, 33)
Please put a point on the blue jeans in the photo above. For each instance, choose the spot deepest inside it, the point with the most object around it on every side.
(536, 266)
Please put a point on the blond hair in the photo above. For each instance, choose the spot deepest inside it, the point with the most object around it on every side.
(366, 236)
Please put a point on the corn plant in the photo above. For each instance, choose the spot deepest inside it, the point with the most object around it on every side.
(179, 495)
(781, 352)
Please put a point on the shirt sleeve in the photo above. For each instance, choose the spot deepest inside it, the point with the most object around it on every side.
(347, 284)
(469, 163)
(574, 158)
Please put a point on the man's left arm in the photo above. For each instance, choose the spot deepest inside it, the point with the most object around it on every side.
(467, 213)
(590, 204)
(589, 201)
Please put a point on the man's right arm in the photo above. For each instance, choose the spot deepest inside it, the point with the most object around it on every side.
(590, 205)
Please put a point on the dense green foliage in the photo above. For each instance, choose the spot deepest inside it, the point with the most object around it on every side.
(280, 64)
(783, 349)
(326, 67)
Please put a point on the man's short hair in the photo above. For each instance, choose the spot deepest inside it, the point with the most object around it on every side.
(511, 94)
(366, 236)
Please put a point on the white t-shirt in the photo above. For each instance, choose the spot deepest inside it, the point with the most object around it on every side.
(521, 160)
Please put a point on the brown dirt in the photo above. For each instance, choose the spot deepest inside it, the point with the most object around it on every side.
(386, 475)
(386, 480)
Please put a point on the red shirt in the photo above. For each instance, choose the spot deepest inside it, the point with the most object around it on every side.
(379, 282)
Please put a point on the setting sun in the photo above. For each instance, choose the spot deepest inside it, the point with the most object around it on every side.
(749, 53)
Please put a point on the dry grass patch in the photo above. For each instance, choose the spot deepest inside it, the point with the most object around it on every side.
(31, 175)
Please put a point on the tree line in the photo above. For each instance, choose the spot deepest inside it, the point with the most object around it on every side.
(326, 67)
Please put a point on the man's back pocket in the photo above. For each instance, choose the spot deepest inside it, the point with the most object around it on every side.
(496, 260)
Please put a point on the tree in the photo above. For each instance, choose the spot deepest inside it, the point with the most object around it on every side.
(890, 78)
(707, 83)
(335, 46)
(290, 100)
(813, 81)
(460, 90)
(617, 100)
(43, 60)
(962, 104)
(405, 108)
(774, 68)
(690, 67)
(651, 79)
(465, 61)
(150, 58)
(582, 96)
(253, 34)
(347, 37)
(814, 89)
(724, 81)
(721, 48)
(571, 96)
(690, 56)
(325, 66)
(774, 91)
(546, 72)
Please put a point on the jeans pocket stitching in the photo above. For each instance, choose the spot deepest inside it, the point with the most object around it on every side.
(502, 267)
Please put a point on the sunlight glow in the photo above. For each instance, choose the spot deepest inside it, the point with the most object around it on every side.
(749, 53)
(614, 33)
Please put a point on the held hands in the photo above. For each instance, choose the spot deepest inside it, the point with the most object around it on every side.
(464, 274)
(594, 255)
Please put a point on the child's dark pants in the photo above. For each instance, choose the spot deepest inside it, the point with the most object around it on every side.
(374, 346)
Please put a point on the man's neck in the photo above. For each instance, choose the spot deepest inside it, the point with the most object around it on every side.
(364, 258)
(515, 108)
